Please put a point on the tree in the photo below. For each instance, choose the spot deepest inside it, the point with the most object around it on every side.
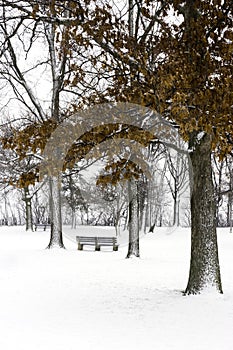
(182, 69)
(126, 170)
(18, 173)
(223, 181)
(21, 30)
(55, 23)
(72, 193)
(178, 171)
(133, 247)
(204, 93)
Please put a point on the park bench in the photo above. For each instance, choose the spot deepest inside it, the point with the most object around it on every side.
(41, 226)
(97, 242)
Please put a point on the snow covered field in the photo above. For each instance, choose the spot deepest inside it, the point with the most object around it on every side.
(69, 299)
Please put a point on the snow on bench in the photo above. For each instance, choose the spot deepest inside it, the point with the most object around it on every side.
(97, 242)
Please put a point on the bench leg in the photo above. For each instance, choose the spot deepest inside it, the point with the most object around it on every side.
(97, 247)
(80, 246)
(115, 248)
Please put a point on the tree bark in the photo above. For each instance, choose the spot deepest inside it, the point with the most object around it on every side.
(229, 211)
(28, 209)
(133, 247)
(204, 265)
(56, 240)
(230, 196)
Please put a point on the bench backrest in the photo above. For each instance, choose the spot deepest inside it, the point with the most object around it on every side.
(106, 239)
(84, 239)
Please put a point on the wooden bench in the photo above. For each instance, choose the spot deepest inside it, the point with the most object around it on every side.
(41, 226)
(97, 242)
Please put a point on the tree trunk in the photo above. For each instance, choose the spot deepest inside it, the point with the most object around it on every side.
(56, 240)
(118, 216)
(28, 209)
(229, 211)
(72, 202)
(230, 196)
(204, 266)
(176, 210)
(73, 218)
(133, 247)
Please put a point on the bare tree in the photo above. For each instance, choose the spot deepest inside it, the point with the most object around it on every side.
(36, 44)
(179, 182)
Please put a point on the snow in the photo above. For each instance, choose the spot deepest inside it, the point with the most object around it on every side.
(68, 299)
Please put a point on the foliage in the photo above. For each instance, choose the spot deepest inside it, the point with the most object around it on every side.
(178, 62)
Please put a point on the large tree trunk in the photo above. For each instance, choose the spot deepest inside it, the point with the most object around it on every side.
(133, 247)
(204, 266)
(56, 240)
(230, 196)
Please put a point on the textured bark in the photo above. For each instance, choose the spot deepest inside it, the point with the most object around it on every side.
(56, 240)
(133, 247)
(204, 266)
(230, 196)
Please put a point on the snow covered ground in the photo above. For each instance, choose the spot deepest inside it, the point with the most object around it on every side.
(69, 299)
